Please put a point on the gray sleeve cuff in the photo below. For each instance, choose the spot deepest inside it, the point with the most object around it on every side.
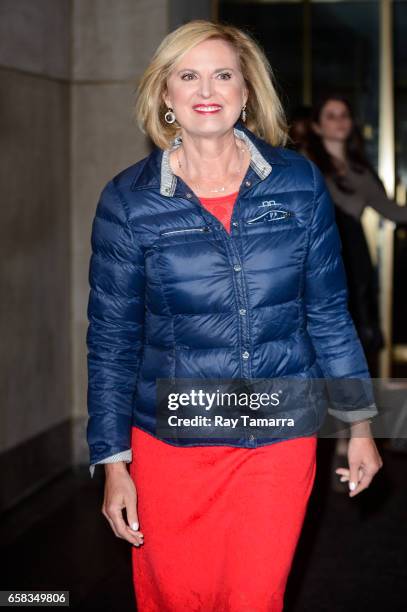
(122, 456)
(349, 416)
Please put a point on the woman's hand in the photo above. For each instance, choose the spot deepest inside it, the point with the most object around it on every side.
(120, 493)
(363, 458)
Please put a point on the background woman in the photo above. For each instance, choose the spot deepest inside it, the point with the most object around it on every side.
(209, 261)
(336, 145)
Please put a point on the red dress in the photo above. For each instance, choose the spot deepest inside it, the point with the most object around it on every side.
(220, 523)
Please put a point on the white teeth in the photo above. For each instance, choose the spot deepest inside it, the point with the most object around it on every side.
(207, 108)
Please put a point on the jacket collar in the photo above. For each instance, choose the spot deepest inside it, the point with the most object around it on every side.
(263, 156)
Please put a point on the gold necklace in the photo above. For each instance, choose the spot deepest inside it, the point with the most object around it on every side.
(223, 188)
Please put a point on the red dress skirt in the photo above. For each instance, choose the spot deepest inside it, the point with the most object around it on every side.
(220, 523)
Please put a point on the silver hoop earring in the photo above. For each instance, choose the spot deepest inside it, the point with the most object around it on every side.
(169, 116)
(244, 115)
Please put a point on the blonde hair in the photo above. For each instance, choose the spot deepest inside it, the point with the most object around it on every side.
(265, 114)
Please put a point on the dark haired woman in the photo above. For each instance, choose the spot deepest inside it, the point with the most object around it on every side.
(336, 146)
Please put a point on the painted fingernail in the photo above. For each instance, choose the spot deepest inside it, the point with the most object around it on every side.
(352, 486)
(134, 526)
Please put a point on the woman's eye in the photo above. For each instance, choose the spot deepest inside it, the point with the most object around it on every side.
(185, 77)
(225, 76)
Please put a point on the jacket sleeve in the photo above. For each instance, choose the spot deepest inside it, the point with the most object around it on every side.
(376, 197)
(337, 345)
(126, 456)
(115, 332)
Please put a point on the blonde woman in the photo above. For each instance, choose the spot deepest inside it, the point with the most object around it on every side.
(215, 257)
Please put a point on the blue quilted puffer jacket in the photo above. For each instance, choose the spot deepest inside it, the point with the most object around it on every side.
(174, 295)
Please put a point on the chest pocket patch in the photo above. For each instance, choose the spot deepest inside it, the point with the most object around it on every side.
(271, 215)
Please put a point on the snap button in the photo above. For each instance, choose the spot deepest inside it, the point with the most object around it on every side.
(235, 223)
(242, 311)
(251, 437)
(237, 268)
(188, 195)
(248, 183)
(246, 355)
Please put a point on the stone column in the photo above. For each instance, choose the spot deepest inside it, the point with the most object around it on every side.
(35, 347)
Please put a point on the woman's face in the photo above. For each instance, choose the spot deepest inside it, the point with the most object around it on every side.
(335, 122)
(206, 89)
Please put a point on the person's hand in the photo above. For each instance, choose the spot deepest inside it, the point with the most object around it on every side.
(364, 462)
(120, 493)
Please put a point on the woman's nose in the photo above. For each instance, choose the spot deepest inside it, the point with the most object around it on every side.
(205, 87)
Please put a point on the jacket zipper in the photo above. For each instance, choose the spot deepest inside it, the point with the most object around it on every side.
(189, 229)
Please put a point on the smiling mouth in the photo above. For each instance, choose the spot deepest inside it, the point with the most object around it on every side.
(207, 109)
